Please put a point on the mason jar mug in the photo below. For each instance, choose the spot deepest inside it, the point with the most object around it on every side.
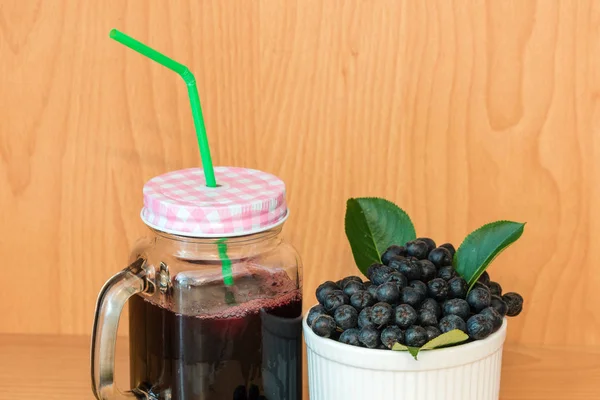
(214, 294)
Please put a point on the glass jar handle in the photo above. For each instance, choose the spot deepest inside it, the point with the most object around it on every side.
(111, 300)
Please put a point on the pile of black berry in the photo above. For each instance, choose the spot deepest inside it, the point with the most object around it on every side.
(413, 297)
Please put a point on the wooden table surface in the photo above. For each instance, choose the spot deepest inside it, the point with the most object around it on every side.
(57, 367)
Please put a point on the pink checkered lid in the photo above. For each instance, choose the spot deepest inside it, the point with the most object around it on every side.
(247, 201)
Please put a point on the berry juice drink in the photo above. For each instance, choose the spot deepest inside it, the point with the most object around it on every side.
(245, 350)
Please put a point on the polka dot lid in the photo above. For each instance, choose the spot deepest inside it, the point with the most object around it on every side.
(247, 201)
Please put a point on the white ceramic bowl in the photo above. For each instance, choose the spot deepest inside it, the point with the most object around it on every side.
(467, 372)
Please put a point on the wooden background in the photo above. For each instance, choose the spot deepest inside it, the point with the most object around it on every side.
(462, 112)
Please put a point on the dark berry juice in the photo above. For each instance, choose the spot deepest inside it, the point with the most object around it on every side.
(248, 350)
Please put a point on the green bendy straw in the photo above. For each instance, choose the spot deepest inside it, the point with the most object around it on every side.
(209, 172)
(225, 265)
(190, 81)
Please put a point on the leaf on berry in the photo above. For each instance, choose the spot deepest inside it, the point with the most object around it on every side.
(372, 225)
(412, 350)
(482, 246)
(399, 347)
(449, 338)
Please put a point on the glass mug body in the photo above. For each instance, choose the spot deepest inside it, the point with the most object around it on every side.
(209, 319)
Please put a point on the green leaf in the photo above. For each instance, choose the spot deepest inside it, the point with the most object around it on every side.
(412, 350)
(449, 338)
(374, 224)
(399, 347)
(481, 246)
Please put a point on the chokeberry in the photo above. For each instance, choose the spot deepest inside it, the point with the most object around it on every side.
(494, 316)
(419, 286)
(457, 288)
(397, 278)
(484, 278)
(361, 299)
(415, 336)
(388, 293)
(479, 327)
(373, 290)
(499, 305)
(479, 298)
(369, 337)
(350, 336)
(395, 263)
(432, 332)
(324, 325)
(440, 256)
(351, 278)
(495, 288)
(514, 301)
(430, 304)
(334, 300)
(381, 314)
(352, 287)
(449, 247)
(428, 318)
(437, 289)
(411, 297)
(324, 289)
(458, 307)
(364, 318)
(346, 317)
(381, 274)
(372, 268)
(392, 335)
(392, 251)
(451, 322)
(428, 270)
(314, 313)
(405, 316)
(417, 248)
(446, 273)
(429, 242)
(409, 268)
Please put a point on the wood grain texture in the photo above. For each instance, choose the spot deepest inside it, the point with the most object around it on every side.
(462, 112)
(57, 367)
